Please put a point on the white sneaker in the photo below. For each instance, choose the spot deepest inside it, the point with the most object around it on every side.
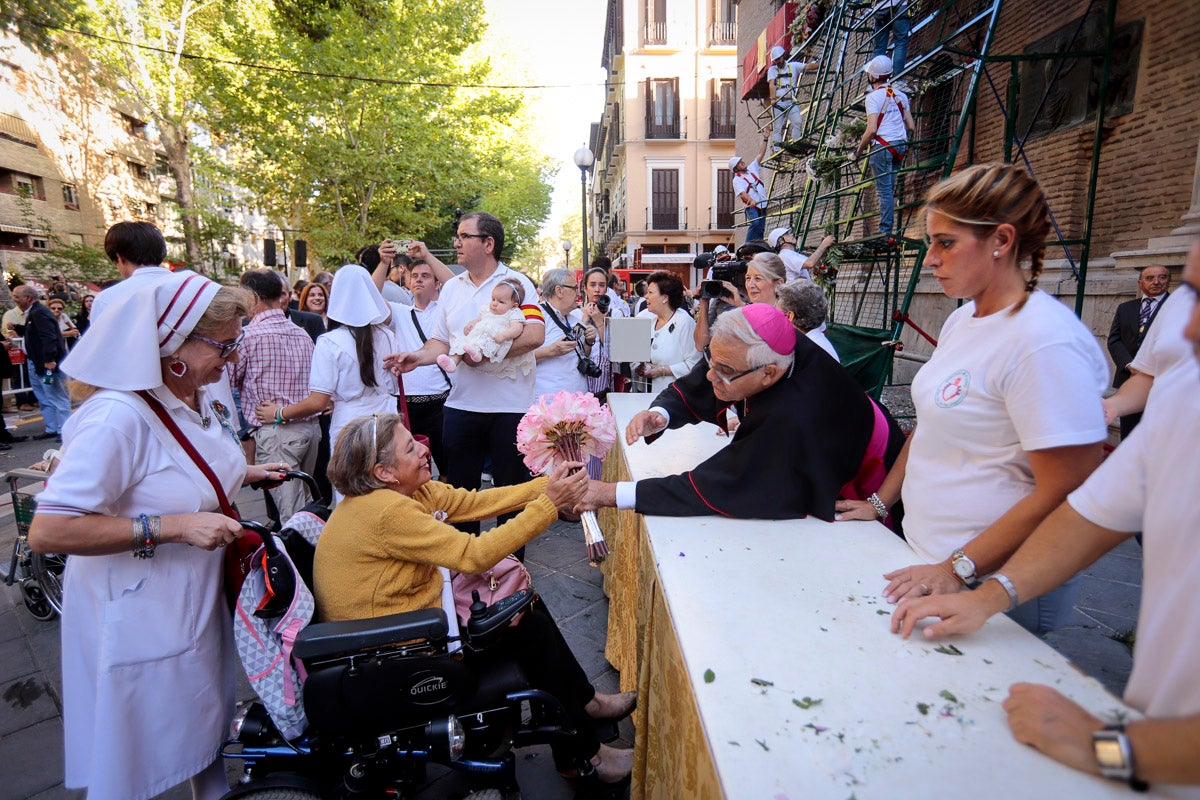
(486, 477)
(903, 86)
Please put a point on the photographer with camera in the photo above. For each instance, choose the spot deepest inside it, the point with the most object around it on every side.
(722, 289)
(563, 362)
(597, 308)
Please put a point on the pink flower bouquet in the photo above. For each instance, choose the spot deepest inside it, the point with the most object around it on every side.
(569, 426)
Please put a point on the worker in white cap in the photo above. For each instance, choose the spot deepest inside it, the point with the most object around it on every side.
(783, 77)
(750, 189)
(889, 124)
(796, 264)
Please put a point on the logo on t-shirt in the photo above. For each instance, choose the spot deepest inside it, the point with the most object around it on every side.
(953, 390)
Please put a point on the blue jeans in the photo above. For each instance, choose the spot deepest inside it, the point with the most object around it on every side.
(468, 437)
(899, 30)
(1052, 610)
(883, 169)
(53, 398)
(758, 224)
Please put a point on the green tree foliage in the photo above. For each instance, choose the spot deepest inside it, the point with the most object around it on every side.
(350, 162)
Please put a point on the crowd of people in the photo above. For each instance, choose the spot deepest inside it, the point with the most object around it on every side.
(377, 385)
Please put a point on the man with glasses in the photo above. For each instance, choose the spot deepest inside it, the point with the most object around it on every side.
(808, 433)
(482, 410)
(276, 359)
(1130, 326)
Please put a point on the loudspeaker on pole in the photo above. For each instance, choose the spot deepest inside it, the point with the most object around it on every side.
(301, 253)
(268, 252)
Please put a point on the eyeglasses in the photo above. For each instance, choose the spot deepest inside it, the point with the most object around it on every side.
(226, 348)
(458, 237)
(727, 379)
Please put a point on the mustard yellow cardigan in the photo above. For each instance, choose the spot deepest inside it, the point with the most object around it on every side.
(379, 552)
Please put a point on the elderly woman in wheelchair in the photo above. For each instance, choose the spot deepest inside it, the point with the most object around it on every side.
(381, 551)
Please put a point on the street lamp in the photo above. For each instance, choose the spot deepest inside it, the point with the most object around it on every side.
(584, 160)
(566, 246)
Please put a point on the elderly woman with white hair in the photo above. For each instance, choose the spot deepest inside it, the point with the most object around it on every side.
(147, 464)
(347, 366)
(808, 436)
(805, 305)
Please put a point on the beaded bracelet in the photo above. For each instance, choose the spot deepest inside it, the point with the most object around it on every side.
(146, 531)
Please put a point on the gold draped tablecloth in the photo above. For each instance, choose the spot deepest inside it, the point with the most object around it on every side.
(765, 667)
(672, 757)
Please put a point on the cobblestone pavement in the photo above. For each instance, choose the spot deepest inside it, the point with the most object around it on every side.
(31, 675)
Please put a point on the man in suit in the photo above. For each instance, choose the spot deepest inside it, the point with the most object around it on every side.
(1129, 327)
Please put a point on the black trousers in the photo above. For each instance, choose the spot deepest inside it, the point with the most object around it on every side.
(426, 419)
(538, 646)
(468, 437)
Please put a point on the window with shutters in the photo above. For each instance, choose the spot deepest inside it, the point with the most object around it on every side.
(664, 199)
(656, 22)
(662, 108)
(724, 198)
(724, 110)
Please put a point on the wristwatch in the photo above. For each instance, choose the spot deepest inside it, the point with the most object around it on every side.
(964, 567)
(1114, 755)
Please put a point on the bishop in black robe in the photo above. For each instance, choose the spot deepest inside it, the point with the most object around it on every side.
(801, 440)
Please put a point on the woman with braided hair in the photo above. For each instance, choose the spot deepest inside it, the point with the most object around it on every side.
(1008, 420)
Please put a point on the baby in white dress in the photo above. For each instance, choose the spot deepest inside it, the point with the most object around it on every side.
(490, 335)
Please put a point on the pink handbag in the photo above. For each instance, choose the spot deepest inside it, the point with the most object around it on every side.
(506, 578)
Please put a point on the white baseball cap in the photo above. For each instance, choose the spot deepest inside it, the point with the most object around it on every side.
(777, 52)
(878, 66)
(734, 161)
(774, 236)
(719, 249)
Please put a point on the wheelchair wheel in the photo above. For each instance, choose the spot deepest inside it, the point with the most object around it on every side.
(35, 601)
(48, 570)
(274, 793)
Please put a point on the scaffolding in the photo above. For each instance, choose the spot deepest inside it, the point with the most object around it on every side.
(817, 188)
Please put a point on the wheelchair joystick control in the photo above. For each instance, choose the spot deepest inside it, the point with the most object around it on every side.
(478, 607)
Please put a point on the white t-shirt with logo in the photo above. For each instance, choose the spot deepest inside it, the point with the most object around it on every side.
(891, 125)
(460, 300)
(1146, 485)
(995, 388)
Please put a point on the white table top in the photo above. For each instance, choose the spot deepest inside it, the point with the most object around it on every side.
(798, 605)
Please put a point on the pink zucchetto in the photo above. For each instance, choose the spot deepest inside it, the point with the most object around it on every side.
(772, 326)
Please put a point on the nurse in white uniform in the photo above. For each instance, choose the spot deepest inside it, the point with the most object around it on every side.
(347, 365)
(147, 651)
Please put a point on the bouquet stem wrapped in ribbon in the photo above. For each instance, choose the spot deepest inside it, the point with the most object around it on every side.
(569, 426)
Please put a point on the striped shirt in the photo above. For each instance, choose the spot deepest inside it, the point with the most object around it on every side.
(276, 356)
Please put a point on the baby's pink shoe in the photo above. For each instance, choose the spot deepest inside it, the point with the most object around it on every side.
(447, 363)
